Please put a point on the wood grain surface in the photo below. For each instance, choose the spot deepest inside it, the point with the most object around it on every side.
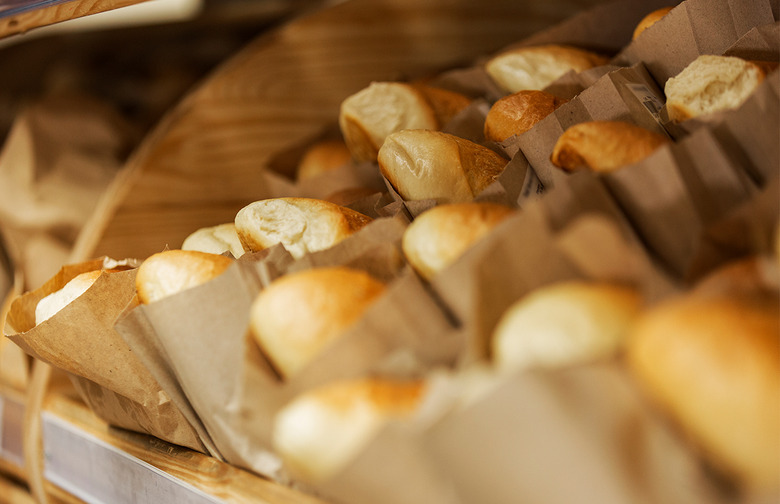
(208, 158)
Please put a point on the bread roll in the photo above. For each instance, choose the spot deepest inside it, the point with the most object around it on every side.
(319, 432)
(49, 305)
(565, 323)
(172, 271)
(604, 146)
(517, 113)
(321, 157)
(215, 240)
(424, 164)
(536, 67)
(712, 363)
(649, 20)
(711, 84)
(302, 225)
(440, 235)
(446, 104)
(367, 117)
(745, 278)
(296, 316)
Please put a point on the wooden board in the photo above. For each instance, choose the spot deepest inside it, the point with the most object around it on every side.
(205, 160)
(44, 16)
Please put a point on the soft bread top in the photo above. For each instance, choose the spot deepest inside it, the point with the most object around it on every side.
(712, 363)
(49, 305)
(604, 146)
(536, 67)
(215, 240)
(296, 316)
(424, 164)
(322, 157)
(368, 116)
(649, 20)
(319, 432)
(302, 225)
(172, 271)
(517, 113)
(711, 84)
(565, 323)
(440, 235)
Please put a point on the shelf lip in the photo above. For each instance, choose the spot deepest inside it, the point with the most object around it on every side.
(11, 431)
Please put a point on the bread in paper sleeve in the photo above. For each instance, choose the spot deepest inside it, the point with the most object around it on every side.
(166, 273)
(215, 240)
(425, 164)
(649, 20)
(518, 112)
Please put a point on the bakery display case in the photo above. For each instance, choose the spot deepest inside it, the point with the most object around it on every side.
(380, 251)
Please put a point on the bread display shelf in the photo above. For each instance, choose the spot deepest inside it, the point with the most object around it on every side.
(86, 460)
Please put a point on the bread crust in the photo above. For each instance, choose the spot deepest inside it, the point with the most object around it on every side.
(519, 112)
(172, 271)
(649, 20)
(604, 146)
(322, 157)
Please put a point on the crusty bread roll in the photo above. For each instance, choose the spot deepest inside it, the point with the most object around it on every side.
(711, 84)
(649, 20)
(424, 164)
(300, 313)
(172, 271)
(302, 225)
(49, 305)
(320, 431)
(321, 157)
(604, 146)
(565, 323)
(536, 67)
(367, 117)
(215, 240)
(446, 104)
(517, 113)
(440, 235)
(712, 363)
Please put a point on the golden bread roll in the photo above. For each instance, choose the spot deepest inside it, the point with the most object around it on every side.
(49, 305)
(425, 164)
(320, 431)
(439, 236)
(565, 323)
(649, 20)
(367, 117)
(517, 113)
(711, 84)
(172, 271)
(712, 363)
(536, 67)
(215, 240)
(321, 157)
(446, 104)
(604, 146)
(302, 225)
(749, 277)
(296, 316)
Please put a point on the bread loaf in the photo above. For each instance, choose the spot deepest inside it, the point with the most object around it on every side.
(215, 240)
(649, 20)
(302, 225)
(712, 364)
(711, 84)
(173, 271)
(299, 314)
(565, 323)
(440, 235)
(536, 67)
(604, 146)
(49, 305)
(425, 164)
(322, 157)
(517, 113)
(320, 431)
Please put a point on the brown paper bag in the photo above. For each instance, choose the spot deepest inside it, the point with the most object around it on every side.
(80, 340)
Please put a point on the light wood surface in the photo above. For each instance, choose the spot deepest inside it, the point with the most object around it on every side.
(44, 16)
(206, 159)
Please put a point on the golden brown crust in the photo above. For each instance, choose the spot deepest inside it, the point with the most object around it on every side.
(649, 20)
(446, 104)
(604, 146)
(519, 112)
(172, 271)
(296, 316)
(322, 157)
(713, 364)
